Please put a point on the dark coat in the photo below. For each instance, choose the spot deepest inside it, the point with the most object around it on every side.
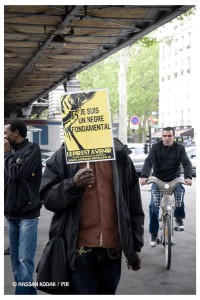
(59, 194)
(22, 178)
(166, 162)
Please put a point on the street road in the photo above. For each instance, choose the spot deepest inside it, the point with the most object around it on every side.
(153, 278)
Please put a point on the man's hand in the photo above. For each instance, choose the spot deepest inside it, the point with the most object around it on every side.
(6, 145)
(137, 264)
(84, 178)
(188, 181)
(143, 181)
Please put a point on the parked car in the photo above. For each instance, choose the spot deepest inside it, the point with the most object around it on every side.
(45, 154)
(45, 150)
(137, 155)
(191, 153)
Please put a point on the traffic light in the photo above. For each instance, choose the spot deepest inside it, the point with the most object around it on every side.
(145, 149)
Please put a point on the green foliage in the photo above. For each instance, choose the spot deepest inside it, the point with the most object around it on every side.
(43, 115)
(103, 75)
(142, 80)
(147, 41)
(143, 83)
(187, 13)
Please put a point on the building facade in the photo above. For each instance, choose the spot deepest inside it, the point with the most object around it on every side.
(176, 97)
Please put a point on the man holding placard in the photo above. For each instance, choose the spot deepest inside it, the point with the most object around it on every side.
(101, 198)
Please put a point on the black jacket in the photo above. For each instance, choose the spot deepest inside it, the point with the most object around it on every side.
(166, 162)
(22, 178)
(59, 194)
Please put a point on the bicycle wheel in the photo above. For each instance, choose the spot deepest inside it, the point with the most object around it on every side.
(167, 241)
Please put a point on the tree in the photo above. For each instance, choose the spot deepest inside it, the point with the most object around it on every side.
(143, 86)
(142, 82)
(100, 76)
(124, 57)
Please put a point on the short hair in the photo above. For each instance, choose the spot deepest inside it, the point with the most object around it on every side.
(169, 129)
(19, 125)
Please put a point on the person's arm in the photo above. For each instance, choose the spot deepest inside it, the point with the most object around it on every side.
(187, 166)
(148, 163)
(136, 216)
(56, 193)
(136, 210)
(22, 167)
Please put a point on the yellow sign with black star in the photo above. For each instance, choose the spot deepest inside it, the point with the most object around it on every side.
(87, 126)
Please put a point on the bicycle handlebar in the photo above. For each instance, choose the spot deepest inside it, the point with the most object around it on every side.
(166, 187)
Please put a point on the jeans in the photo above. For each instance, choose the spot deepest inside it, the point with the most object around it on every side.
(179, 212)
(23, 242)
(96, 273)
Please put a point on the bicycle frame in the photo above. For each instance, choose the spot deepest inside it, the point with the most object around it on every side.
(163, 198)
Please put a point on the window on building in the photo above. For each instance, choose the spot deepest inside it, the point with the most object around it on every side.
(182, 66)
(182, 119)
(175, 118)
(176, 46)
(181, 43)
(175, 74)
(188, 65)
(162, 121)
(168, 50)
(188, 40)
(175, 26)
(188, 117)
(163, 52)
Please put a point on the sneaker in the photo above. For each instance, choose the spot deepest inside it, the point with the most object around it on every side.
(153, 240)
(179, 224)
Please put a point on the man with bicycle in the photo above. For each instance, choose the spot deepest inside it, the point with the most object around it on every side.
(166, 158)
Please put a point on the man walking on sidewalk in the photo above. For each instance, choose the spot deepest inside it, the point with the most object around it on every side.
(23, 172)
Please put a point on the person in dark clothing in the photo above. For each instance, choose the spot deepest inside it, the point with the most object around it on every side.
(104, 217)
(166, 158)
(22, 178)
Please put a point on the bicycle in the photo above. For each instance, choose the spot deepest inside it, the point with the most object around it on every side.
(163, 198)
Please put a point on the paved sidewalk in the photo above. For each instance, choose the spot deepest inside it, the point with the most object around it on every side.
(153, 278)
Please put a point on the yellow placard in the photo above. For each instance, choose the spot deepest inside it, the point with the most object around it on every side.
(87, 126)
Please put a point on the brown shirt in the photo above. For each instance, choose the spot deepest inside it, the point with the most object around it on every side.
(98, 222)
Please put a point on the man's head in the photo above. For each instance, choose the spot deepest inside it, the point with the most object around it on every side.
(168, 136)
(15, 131)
